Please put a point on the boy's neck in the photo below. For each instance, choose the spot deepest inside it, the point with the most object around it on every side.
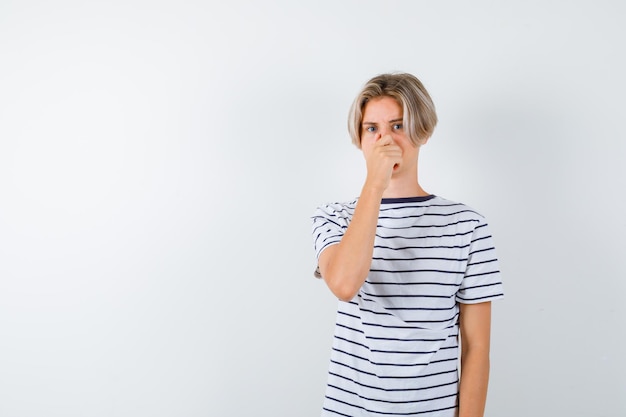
(407, 188)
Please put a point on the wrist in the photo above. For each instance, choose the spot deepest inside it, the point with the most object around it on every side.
(374, 189)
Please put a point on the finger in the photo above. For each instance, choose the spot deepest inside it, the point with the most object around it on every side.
(391, 149)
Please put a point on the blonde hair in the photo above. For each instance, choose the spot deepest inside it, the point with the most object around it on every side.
(418, 111)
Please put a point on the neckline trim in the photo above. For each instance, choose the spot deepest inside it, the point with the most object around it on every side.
(419, 199)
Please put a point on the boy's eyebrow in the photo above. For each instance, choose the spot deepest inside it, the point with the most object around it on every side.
(390, 121)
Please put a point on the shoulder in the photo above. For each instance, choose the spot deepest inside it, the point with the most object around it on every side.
(335, 211)
(456, 209)
(330, 221)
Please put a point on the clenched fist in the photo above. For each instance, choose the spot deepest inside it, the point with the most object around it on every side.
(382, 158)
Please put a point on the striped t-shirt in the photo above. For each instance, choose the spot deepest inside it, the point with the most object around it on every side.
(395, 348)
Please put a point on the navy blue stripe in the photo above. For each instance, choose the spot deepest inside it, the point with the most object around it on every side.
(480, 238)
(392, 402)
(425, 236)
(407, 295)
(354, 316)
(422, 258)
(482, 286)
(398, 377)
(481, 250)
(430, 321)
(326, 219)
(382, 412)
(413, 206)
(420, 308)
(406, 340)
(399, 271)
(428, 214)
(486, 297)
(424, 247)
(456, 381)
(482, 274)
(336, 412)
(350, 341)
(408, 321)
(379, 313)
(398, 327)
(403, 365)
(406, 308)
(482, 262)
(349, 328)
(480, 226)
(419, 226)
(425, 352)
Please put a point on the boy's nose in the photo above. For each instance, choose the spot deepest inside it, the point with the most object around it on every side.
(384, 131)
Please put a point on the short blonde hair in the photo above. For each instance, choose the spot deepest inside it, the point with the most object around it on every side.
(418, 111)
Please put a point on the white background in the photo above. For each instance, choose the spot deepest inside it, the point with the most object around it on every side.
(160, 160)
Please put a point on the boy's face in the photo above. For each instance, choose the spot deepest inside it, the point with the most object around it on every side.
(382, 116)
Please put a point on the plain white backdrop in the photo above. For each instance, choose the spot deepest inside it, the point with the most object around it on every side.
(160, 160)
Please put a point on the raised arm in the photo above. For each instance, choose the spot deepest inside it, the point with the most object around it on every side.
(345, 266)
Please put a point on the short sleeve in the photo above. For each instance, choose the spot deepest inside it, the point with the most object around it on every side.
(482, 281)
(330, 222)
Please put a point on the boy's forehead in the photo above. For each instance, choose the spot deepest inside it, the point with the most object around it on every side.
(386, 108)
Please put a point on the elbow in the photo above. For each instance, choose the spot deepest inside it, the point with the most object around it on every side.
(343, 289)
(344, 281)
(346, 294)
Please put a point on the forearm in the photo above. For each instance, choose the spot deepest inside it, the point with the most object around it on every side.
(346, 270)
(474, 382)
